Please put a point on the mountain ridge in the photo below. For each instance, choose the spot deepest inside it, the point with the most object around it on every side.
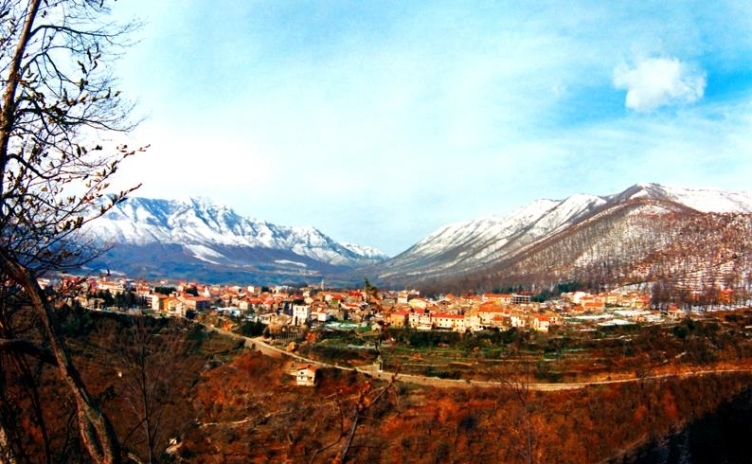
(552, 239)
(198, 230)
(494, 247)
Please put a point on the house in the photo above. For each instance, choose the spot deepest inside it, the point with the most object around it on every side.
(593, 304)
(425, 321)
(487, 312)
(540, 323)
(355, 297)
(726, 296)
(519, 298)
(412, 319)
(320, 314)
(420, 320)
(115, 288)
(229, 312)
(553, 318)
(499, 322)
(472, 320)
(349, 307)
(459, 323)
(455, 322)
(333, 299)
(419, 304)
(306, 375)
(674, 313)
(518, 320)
(157, 301)
(300, 314)
(640, 302)
(399, 318)
(196, 303)
(613, 299)
(174, 307)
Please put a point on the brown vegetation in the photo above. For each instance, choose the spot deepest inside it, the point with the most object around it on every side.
(691, 256)
(223, 403)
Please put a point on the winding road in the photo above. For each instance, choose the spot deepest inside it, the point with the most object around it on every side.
(259, 344)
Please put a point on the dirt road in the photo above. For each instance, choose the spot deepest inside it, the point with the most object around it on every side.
(258, 343)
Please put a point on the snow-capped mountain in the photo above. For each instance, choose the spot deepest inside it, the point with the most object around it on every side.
(467, 245)
(366, 251)
(626, 226)
(702, 200)
(648, 232)
(198, 231)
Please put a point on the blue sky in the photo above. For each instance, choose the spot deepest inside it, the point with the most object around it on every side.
(378, 122)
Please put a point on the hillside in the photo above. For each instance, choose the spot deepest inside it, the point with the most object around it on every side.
(210, 400)
(198, 239)
(643, 235)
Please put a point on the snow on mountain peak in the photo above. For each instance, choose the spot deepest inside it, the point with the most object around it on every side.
(367, 251)
(702, 200)
(467, 245)
(713, 201)
(201, 223)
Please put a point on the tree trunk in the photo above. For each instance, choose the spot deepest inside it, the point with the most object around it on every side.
(6, 453)
(11, 87)
(95, 429)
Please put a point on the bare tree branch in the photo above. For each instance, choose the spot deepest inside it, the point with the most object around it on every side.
(56, 98)
(26, 347)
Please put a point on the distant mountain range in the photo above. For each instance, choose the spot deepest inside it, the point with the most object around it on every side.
(648, 233)
(199, 239)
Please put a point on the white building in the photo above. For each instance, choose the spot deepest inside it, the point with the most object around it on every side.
(300, 314)
(306, 375)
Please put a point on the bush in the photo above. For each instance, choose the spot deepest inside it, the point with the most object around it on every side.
(252, 329)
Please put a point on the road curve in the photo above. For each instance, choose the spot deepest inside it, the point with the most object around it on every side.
(259, 344)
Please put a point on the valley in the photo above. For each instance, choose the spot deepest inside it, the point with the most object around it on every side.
(218, 397)
(593, 329)
(370, 233)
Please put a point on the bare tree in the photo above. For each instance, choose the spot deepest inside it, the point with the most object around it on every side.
(150, 350)
(514, 380)
(366, 399)
(56, 103)
(352, 414)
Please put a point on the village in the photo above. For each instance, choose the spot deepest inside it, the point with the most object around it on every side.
(284, 307)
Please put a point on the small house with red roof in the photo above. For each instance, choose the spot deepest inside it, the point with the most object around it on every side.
(306, 375)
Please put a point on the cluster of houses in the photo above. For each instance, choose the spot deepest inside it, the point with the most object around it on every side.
(286, 307)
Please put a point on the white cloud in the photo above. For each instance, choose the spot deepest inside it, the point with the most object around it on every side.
(657, 82)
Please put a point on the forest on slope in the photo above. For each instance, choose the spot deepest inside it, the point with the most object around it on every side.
(687, 256)
(176, 392)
